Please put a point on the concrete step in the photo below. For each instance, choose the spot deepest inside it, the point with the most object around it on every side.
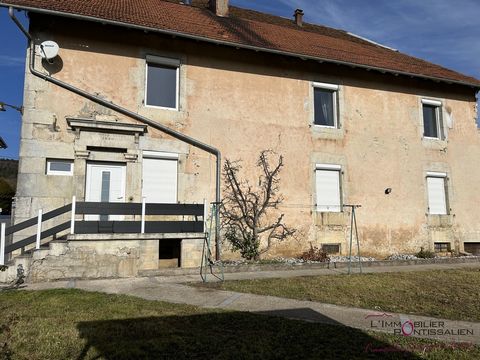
(11, 272)
(25, 260)
(58, 247)
(55, 247)
(40, 253)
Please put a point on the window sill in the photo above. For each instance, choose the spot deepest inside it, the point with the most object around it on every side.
(168, 116)
(324, 126)
(434, 143)
(161, 108)
(326, 132)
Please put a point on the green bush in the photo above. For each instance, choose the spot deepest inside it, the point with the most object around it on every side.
(246, 243)
(425, 254)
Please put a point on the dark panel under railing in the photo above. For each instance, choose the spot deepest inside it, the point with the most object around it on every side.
(134, 227)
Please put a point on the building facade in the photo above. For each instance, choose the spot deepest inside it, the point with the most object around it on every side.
(405, 148)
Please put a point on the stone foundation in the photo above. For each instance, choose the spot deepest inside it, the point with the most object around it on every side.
(108, 256)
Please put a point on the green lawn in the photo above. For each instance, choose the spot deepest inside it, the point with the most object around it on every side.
(450, 294)
(72, 324)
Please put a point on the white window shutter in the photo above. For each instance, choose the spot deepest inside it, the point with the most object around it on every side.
(328, 190)
(160, 180)
(437, 202)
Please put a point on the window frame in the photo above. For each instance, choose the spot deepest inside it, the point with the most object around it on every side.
(58, 172)
(161, 155)
(329, 167)
(167, 62)
(438, 247)
(334, 89)
(444, 176)
(438, 118)
(327, 245)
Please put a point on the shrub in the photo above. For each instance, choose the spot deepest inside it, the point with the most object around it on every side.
(315, 254)
(425, 254)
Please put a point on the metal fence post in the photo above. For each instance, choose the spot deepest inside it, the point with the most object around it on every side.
(39, 229)
(144, 199)
(72, 222)
(205, 215)
(2, 244)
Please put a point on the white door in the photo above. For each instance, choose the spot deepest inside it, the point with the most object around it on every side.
(159, 183)
(105, 183)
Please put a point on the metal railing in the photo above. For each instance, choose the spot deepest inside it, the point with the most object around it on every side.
(195, 223)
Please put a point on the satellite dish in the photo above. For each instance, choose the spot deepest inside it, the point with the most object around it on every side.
(49, 50)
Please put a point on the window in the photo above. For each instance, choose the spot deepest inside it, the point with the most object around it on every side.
(331, 248)
(325, 104)
(328, 188)
(442, 247)
(162, 80)
(432, 124)
(437, 194)
(160, 177)
(59, 167)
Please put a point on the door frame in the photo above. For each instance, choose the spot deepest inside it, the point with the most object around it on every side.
(88, 179)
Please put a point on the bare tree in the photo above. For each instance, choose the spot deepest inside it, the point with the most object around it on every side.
(245, 210)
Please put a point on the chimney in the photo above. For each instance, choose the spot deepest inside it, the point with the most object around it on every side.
(299, 17)
(219, 7)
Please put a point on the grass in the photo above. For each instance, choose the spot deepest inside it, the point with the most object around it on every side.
(72, 324)
(450, 294)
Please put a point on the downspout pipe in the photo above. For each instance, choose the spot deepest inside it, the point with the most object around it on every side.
(110, 105)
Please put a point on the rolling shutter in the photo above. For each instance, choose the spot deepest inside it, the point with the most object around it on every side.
(437, 203)
(328, 190)
(160, 180)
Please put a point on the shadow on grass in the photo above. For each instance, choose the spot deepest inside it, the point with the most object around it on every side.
(232, 335)
(305, 314)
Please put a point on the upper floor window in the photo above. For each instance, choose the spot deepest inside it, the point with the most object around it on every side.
(432, 118)
(328, 189)
(162, 79)
(325, 104)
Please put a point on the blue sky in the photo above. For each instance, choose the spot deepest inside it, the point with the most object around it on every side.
(445, 32)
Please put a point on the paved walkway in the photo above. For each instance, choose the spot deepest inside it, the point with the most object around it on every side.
(172, 290)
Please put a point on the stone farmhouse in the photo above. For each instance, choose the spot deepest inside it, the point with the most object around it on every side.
(143, 96)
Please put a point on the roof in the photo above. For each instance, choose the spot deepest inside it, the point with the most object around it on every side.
(3, 144)
(247, 29)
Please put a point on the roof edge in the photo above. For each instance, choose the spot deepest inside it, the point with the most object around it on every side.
(237, 45)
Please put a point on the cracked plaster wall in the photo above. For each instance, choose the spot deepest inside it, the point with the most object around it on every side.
(243, 102)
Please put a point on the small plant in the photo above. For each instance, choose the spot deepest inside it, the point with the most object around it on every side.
(425, 254)
(315, 254)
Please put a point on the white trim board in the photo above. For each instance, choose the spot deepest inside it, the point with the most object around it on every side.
(327, 167)
(325, 86)
(159, 154)
(436, 174)
(431, 102)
